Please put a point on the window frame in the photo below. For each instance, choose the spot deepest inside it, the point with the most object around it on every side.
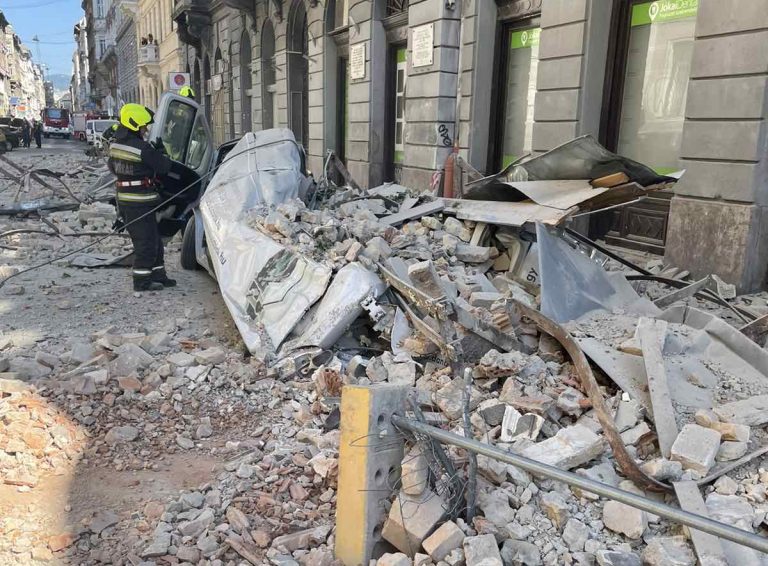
(504, 29)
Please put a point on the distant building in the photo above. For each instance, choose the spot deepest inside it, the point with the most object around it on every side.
(50, 99)
(122, 18)
(80, 84)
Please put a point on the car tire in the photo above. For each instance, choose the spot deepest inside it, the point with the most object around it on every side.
(66, 136)
(188, 259)
(8, 146)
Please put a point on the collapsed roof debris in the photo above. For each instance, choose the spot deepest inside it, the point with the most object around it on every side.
(445, 284)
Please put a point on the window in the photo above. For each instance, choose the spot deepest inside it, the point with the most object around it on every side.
(517, 78)
(177, 128)
(102, 47)
(99, 8)
(395, 7)
(655, 83)
(199, 145)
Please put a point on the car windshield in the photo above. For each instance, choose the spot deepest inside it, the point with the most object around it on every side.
(54, 113)
(103, 125)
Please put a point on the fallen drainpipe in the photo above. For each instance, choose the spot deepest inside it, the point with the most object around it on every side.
(692, 520)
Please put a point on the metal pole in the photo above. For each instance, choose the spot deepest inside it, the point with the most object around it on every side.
(697, 522)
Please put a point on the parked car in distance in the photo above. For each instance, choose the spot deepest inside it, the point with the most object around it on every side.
(94, 130)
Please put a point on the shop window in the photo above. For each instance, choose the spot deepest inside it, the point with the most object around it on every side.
(655, 82)
(517, 76)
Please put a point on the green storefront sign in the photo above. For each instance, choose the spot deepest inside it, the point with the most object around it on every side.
(525, 38)
(663, 11)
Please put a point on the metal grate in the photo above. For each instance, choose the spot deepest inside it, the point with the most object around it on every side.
(396, 7)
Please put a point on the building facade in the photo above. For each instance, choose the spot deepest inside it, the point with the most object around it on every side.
(159, 49)
(122, 18)
(80, 84)
(101, 63)
(392, 86)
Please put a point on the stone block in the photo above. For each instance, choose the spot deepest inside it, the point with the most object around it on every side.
(559, 73)
(559, 12)
(562, 41)
(473, 254)
(570, 447)
(696, 447)
(575, 535)
(717, 17)
(702, 235)
(621, 518)
(482, 551)
(520, 552)
(666, 551)
(495, 506)
(557, 105)
(617, 558)
(728, 141)
(735, 98)
(435, 84)
(411, 519)
(731, 510)
(394, 559)
(731, 431)
(731, 451)
(547, 135)
(445, 539)
(430, 110)
(555, 508)
(721, 180)
(752, 411)
(730, 55)
(414, 472)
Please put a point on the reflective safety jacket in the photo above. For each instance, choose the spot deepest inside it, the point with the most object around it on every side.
(136, 164)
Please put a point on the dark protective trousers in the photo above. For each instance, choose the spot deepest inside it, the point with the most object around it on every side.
(145, 236)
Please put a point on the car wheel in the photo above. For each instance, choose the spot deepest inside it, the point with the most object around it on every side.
(8, 146)
(188, 257)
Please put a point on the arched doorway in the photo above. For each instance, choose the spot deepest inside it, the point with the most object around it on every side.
(268, 86)
(298, 73)
(246, 83)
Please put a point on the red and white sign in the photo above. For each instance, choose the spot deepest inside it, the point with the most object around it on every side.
(178, 80)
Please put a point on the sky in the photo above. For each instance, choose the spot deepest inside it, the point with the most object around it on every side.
(52, 21)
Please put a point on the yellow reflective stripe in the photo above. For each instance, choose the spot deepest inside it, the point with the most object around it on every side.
(127, 148)
(136, 197)
(124, 155)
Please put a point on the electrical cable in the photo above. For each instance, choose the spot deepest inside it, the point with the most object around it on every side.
(116, 231)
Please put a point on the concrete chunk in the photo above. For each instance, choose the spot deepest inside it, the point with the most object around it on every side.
(411, 519)
(482, 551)
(394, 559)
(696, 447)
(621, 518)
(570, 447)
(415, 472)
(446, 538)
(668, 551)
(750, 412)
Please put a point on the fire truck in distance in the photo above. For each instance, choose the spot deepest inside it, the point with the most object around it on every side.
(56, 122)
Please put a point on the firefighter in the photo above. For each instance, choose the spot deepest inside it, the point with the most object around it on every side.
(137, 165)
(187, 92)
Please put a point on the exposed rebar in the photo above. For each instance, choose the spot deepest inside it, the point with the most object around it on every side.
(692, 520)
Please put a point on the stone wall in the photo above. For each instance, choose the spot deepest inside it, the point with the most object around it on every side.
(717, 218)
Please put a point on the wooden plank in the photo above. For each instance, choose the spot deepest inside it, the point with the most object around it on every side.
(708, 548)
(652, 334)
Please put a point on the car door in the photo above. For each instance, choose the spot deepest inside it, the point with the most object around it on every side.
(183, 128)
